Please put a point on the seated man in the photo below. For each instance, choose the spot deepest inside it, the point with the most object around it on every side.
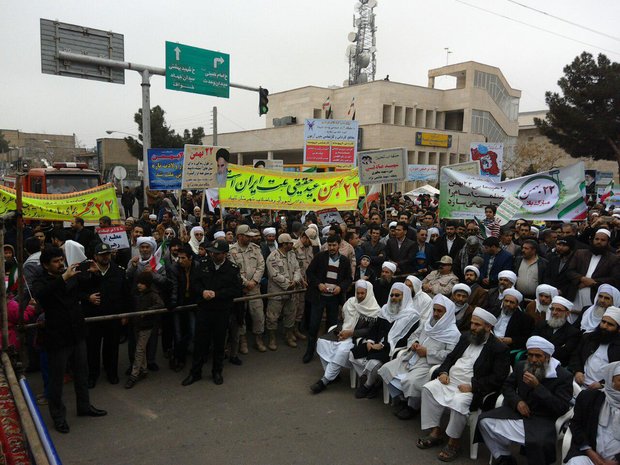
(596, 435)
(422, 302)
(477, 366)
(463, 309)
(396, 322)
(506, 280)
(441, 280)
(360, 313)
(539, 308)
(429, 345)
(606, 296)
(598, 348)
(536, 394)
(479, 294)
(558, 331)
(513, 326)
(383, 285)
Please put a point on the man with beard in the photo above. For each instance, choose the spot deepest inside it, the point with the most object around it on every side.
(606, 297)
(360, 314)
(442, 280)
(513, 326)
(449, 244)
(539, 308)
(477, 366)
(596, 349)
(478, 297)
(590, 268)
(466, 255)
(421, 300)
(269, 245)
(558, 331)
(462, 308)
(397, 320)
(536, 394)
(495, 261)
(558, 266)
(506, 280)
(384, 283)
(596, 436)
(429, 345)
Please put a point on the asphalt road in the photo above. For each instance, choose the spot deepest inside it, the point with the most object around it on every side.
(264, 413)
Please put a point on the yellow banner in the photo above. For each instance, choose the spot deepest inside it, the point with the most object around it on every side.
(90, 204)
(249, 187)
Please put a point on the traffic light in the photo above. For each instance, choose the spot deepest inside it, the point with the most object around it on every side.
(263, 101)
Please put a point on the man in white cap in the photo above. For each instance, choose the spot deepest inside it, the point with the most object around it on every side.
(479, 294)
(384, 283)
(506, 280)
(429, 345)
(284, 275)
(513, 326)
(441, 280)
(421, 300)
(592, 267)
(558, 331)
(606, 297)
(536, 394)
(477, 366)
(540, 308)
(596, 436)
(269, 245)
(596, 349)
(462, 308)
(397, 320)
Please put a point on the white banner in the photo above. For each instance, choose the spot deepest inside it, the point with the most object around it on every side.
(115, 237)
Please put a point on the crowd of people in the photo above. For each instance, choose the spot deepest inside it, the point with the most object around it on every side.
(446, 315)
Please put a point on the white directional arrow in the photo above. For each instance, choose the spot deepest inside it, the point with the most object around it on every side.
(218, 60)
(177, 52)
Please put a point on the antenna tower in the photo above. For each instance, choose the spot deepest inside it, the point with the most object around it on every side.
(361, 52)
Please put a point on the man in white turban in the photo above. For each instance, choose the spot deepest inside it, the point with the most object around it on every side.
(558, 331)
(384, 283)
(536, 394)
(360, 313)
(429, 345)
(505, 280)
(477, 366)
(422, 302)
(596, 435)
(479, 294)
(540, 308)
(269, 245)
(606, 296)
(463, 309)
(397, 320)
(513, 326)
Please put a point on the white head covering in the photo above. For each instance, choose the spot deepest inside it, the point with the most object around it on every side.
(513, 292)
(485, 316)
(147, 240)
(430, 232)
(614, 313)
(152, 216)
(537, 342)
(392, 224)
(563, 302)
(509, 275)
(535, 230)
(472, 268)
(367, 308)
(461, 287)
(219, 234)
(324, 231)
(547, 290)
(74, 252)
(589, 321)
(268, 231)
(402, 321)
(422, 302)
(610, 412)
(193, 241)
(445, 329)
(416, 283)
(603, 231)
(390, 266)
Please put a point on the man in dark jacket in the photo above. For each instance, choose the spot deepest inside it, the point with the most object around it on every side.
(401, 250)
(449, 244)
(56, 291)
(558, 266)
(558, 331)
(495, 260)
(216, 285)
(513, 326)
(329, 276)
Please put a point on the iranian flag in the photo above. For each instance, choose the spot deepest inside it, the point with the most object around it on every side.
(157, 260)
(372, 195)
(609, 189)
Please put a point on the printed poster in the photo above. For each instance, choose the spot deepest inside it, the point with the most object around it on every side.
(330, 142)
(204, 166)
(115, 237)
(490, 155)
(424, 173)
(383, 166)
(165, 169)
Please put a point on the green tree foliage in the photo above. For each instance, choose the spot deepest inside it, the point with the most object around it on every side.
(4, 144)
(585, 120)
(161, 135)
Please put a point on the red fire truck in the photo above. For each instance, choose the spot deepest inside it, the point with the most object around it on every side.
(60, 178)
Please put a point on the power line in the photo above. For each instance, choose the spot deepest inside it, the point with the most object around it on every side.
(609, 36)
(536, 27)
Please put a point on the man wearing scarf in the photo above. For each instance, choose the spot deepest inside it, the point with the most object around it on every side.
(462, 308)
(598, 348)
(536, 394)
(422, 302)
(596, 435)
(605, 297)
(540, 308)
(360, 313)
(513, 326)
(558, 331)
(429, 345)
(506, 280)
(196, 237)
(397, 320)
(477, 366)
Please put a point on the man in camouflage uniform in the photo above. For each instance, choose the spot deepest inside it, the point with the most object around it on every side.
(284, 275)
(303, 248)
(247, 256)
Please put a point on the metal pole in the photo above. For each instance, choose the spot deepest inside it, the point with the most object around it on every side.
(3, 303)
(146, 127)
(215, 126)
(19, 186)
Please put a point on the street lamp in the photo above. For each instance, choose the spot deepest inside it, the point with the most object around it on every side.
(122, 132)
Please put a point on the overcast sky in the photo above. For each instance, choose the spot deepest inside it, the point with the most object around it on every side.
(282, 44)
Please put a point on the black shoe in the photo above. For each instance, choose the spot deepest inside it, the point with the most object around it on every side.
(131, 382)
(152, 366)
(309, 355)
(113, 379)
(362, 391)
(61, 426)
(179, 367)
(93, 412)
(317, 387)
(191, 379)
(91, 383)
(128, 371)
(407, 413)
(236, 361)
(218, 378)
(505, 460)
(374, 390)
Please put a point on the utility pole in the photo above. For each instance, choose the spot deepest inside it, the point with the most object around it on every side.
(215, 126)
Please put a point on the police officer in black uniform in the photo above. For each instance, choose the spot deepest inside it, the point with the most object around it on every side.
(216, 284)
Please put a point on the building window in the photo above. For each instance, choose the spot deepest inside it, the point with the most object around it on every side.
(409, 117)
(482, 122)
(317, 113)
(387, 114)
(398, 116)
(493, 85)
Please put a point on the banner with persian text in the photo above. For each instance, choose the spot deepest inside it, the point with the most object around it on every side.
(90, 204)
(248, 187)
(557, 194)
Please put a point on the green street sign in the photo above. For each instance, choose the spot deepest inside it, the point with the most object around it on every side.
(191, 69)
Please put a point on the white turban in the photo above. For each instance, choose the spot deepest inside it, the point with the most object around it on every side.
(509, 275)
(430, 232)
(219, 234)
(513, 292)
(537, 342)
(268, 231)
(474, 269)
(152, 216)
(603, 231)
(392, 224)
(361, 283)
(485, 316)
(535, 230)
(390, 266)
(147, 240)
(461, 287)
(563, 302)
(614, 313)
